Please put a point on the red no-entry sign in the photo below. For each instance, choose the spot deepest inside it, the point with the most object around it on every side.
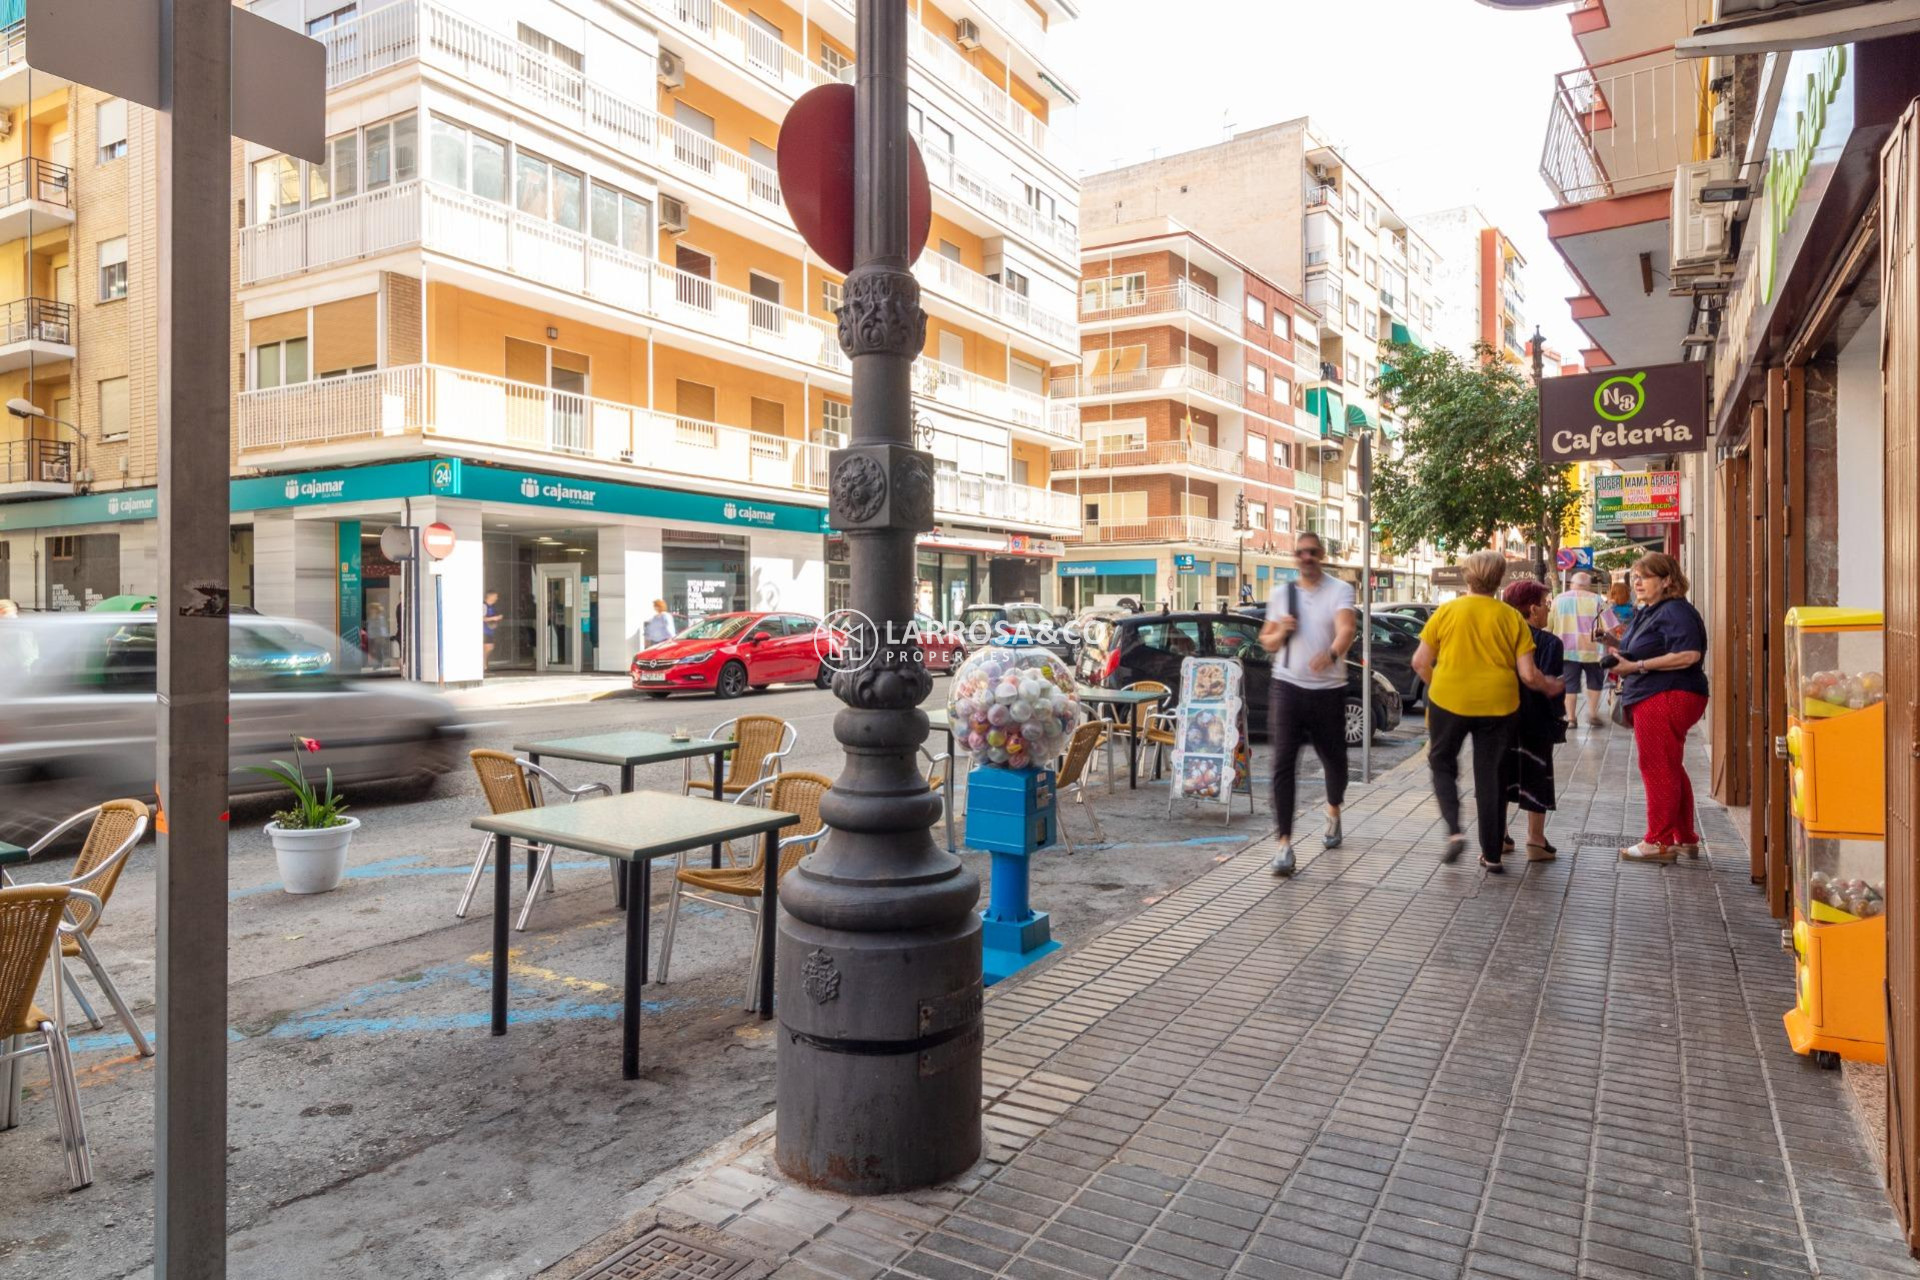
(437, 540)
(816, 176)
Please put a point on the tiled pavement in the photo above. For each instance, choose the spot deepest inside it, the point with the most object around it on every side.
(1387, 1069)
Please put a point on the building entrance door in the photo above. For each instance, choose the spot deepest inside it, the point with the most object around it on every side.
(556, 593)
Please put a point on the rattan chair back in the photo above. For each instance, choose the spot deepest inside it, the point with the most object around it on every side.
(759, 737)
(505, 784)
(118, 822)
(1143, 711)
(1080, 748)
(798, 793)
(29, 919)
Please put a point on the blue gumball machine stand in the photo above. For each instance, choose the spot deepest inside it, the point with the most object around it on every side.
(1010, 813)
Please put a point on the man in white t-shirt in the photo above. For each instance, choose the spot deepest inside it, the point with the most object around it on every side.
(1311, 624)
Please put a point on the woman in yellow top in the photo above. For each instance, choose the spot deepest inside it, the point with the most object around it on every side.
(1474, 654)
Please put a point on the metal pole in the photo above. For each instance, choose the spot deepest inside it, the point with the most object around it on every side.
(1366, 606)
(878, 959)
(1539, 375)
(190, 1109)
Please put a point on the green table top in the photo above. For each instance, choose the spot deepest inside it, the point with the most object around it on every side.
(633, 747)
(1132, 697)
(637, 825)
(939, 720)
(11, 853)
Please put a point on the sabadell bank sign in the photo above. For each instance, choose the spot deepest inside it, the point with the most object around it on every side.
(1624, 413)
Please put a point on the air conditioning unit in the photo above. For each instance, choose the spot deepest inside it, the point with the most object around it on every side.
(672, 70)
(967, 32)
(673, 214)
(1321, 173)
(1700, 230)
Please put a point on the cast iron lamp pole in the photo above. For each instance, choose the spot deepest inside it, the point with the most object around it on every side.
(879, 955)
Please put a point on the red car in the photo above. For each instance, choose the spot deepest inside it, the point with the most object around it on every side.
(942, 649)
(729, 653)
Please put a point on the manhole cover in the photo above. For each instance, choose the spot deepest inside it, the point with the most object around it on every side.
(661, 1255)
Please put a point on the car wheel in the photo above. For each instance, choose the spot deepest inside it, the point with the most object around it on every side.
(653, 694)
(732, 682)
(823, 677)
(1356, 722)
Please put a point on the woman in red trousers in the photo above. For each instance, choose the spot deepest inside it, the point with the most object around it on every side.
(1663, 684)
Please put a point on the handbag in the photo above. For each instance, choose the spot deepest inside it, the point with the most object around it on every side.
(1621, 714)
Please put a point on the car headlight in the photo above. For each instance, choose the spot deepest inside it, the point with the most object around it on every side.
(692, 657)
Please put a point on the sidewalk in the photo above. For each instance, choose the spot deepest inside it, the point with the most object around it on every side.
(530, 691)
(1381, 1068)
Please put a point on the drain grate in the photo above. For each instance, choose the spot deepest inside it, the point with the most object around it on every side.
(662, 1255)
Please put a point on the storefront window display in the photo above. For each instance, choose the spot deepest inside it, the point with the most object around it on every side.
(948, 582)
(82, 569)
(705, 574)
(545, 585)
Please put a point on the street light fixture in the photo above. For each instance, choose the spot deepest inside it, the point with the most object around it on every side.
(1240, 529)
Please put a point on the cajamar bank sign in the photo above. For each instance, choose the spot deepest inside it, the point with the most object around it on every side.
(1624, 413)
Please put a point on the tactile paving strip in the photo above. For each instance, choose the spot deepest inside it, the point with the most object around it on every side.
(662, 1255)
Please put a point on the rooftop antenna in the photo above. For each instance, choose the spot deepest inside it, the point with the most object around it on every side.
(1226, 124)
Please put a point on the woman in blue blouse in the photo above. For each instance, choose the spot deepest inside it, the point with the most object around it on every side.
(1663, 684)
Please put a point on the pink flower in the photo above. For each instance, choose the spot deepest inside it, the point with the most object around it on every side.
(309, 744)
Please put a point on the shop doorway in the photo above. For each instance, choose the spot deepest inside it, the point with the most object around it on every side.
(556, 593)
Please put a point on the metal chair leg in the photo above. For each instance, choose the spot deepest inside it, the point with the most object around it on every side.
(673, 918)
(753, 966)
(86, 1007)
(10, 1077)
(473, 880)
(114, 998)
(66, 1106)
(542, 871)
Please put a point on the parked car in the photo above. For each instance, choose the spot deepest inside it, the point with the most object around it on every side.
(1420, 609)
(980, 623)
(1150, 646)
(942, 648)
(79, 712)
(1395, 637)
(727, 654)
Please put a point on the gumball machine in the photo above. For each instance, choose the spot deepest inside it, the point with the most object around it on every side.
(1013, 707)
(1836, 749)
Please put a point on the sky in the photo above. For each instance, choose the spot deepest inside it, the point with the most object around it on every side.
(1437, 102)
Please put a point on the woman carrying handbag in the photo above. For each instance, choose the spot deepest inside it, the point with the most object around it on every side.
(1663, 693)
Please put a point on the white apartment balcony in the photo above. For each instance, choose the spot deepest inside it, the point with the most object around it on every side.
(1306, 482)
(35, 196)
(1151, 384)
(20, 83)
(723, 32)
(430, 407)
(944, 385)
(1621, 127)
(42, 469)
(1181, 299)
(34, 331)
(989, 298)
(965, 81)
(1197, 530)
(973, 189)
(1155, 457)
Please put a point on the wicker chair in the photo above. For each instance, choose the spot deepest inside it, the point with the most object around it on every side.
(738, 888)
(35, 922)
(510, 785)
(116, 828)
(939, 767)
(764, 742)
(1074, 767)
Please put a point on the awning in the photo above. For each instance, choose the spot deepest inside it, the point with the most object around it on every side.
(1357, 419)
(1406, 337)
(1325, 404)
(12, 11)
(1784, 29)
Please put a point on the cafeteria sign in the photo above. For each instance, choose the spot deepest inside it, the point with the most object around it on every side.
(1635, 497)
(1624, 413)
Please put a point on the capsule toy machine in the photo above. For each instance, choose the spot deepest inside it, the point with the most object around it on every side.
(1836, 752)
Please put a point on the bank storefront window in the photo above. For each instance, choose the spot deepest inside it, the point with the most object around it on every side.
(705, 573)
(548, 587)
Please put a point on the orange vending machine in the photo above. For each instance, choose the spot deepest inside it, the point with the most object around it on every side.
(1836, 748)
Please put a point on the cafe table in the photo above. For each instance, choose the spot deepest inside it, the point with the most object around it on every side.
(633, 828)
(9, 855)
(629, 749)
(941, 721)
(1109, 701)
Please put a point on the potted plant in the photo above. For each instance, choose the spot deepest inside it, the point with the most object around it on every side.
(310, 839)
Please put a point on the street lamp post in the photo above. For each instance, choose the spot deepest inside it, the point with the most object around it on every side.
(1539, 375)
(879, 958)
(1240, 529)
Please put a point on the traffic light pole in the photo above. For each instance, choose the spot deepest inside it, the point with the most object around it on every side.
(879, 955)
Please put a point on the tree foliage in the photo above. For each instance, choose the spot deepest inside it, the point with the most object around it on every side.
(1468, 466)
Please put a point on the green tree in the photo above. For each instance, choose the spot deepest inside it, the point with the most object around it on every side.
(1468, 466)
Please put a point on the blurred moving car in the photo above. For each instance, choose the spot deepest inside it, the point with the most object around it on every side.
(79, 712)
(727, 654)
(1150, 646)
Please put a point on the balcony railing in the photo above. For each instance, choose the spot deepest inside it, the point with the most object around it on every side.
(1171, 378)
(44, 462)
(33, 178)
(943, 384)
(726, 31)
(970, 187)
(1323, 196)
(432, 402)
(968, 83)
(1153, 453)
(1195, 529)
(1181, 296)
(1306, 482)
(13, 44)
(1623, 126)
(36, 320)
(989, 297)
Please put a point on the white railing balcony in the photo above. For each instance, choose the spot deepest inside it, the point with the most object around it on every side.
(1063, 419)
(1160, 454)
(972, 188)
(1150, 382)
(1306, 482)
(966, 81)
(958, 494)
(1194, 529)
(946, 386)
(726, 31)
(1182, 296)
(1622, 126)
(989, 297)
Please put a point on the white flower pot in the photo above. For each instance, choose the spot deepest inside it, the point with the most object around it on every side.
(312, 861)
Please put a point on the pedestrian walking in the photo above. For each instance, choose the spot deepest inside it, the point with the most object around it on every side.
(1663, 685)
(490, 620)
(1474, 654)
(1576, 614)
(1541, 726)
(659, 628)
(1310, 626)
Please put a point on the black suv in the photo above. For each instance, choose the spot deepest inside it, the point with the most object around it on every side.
(1395, 637)
(1149, 646)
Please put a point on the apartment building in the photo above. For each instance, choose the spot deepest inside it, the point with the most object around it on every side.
(1191, 462)
(544, 291)
(1302, 218)
(78, 319)
(1479, 292)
